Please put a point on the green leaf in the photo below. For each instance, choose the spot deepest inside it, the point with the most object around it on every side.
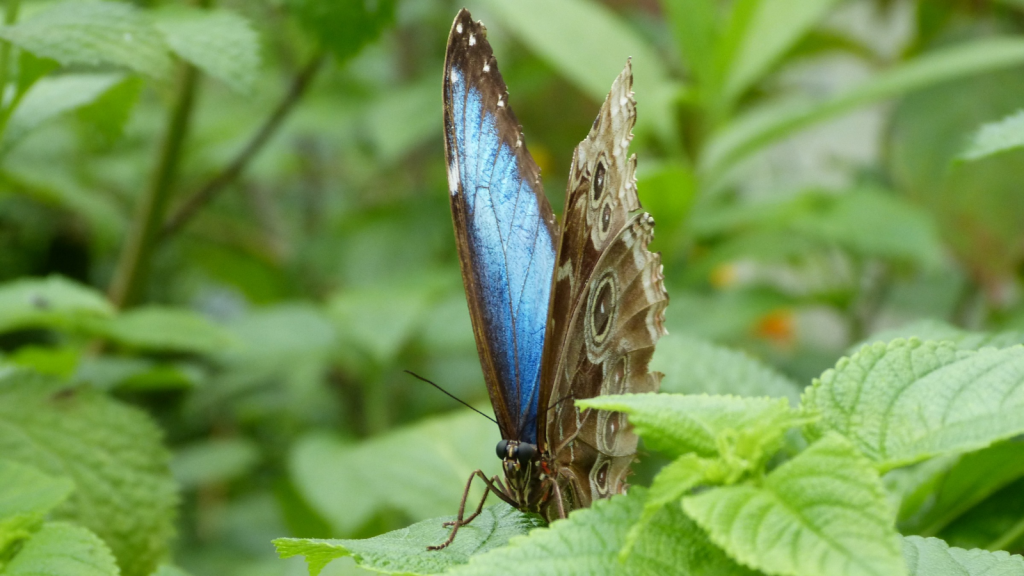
(957, 488)
(348, 482)
(772, 29)
(695, 27)
(93, 33)
(938, 330)
(52, 302)
(112, 452)
(379, 321)
(677, 424)
(875, 224)
(166, 329)
(906, 401)
(587, 542)
(995, 137)
(693, 366)
(168, 570)
(672, 543)
(405, 551)
(26, 490)
(589, 45)
(63, 549)
(933, 557)
(343, 27)
(823, 512)
(768, 123)
(216, 460)
(219, 42)
(53, 96)
(105, 118)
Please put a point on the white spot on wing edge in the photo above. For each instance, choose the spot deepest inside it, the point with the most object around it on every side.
(472, 40)
(454, 77)
(487, 67)
(458, 28)
(501, 103)
(453, 177)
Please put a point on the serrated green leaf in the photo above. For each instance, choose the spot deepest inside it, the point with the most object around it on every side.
(93, 33)
(589, 45)
(760, 126)
(772, 28)
(166, 329)
(26, 490)
(672, 543)
(938, 330)
(49, 302)
(693, 366)
(63, 549)
(405, 551)
(996, 137)
(219, 42)
(348, 482)
(52, 96)
(123, 488)
(933, 557)
(669, 486)
(677, 424)
(587, 542)
(964, 484)
(343, 27)
(823, 512)
(907, 400)
(217, 460)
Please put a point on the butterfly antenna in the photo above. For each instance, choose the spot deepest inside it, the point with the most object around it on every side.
(449, 394)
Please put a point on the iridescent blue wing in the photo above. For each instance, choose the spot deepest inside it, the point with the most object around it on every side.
(504, 227)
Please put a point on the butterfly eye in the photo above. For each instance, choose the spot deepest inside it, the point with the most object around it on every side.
(525, 453)
(598, 180)
(502, 449)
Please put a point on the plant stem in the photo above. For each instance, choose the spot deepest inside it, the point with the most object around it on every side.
(133, 267)
(204, 195)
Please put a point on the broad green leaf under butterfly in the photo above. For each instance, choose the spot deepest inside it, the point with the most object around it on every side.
(677, 424)
(112, 452)
(219, 42)
(405, 551)
(63, 549)
(996, 137)
(823, 512)
(905, 401)
(50, 302)
(349, 482)
(694, 366)
(933, 557)
(93, 33)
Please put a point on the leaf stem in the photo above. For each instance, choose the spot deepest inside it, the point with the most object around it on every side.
(204, 195)
(132, 268)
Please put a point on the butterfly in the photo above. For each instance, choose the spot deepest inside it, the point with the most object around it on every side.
(559, 313)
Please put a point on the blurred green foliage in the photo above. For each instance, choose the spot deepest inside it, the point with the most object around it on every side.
(230, 219)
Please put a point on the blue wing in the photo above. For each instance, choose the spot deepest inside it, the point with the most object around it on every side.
(504, 228)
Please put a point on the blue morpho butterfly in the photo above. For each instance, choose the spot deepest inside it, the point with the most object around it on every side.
(558, 314)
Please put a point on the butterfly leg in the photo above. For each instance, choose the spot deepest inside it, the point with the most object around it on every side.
(493, 485)
(558, 500)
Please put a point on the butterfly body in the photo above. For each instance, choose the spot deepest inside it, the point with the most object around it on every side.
(559, 313)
